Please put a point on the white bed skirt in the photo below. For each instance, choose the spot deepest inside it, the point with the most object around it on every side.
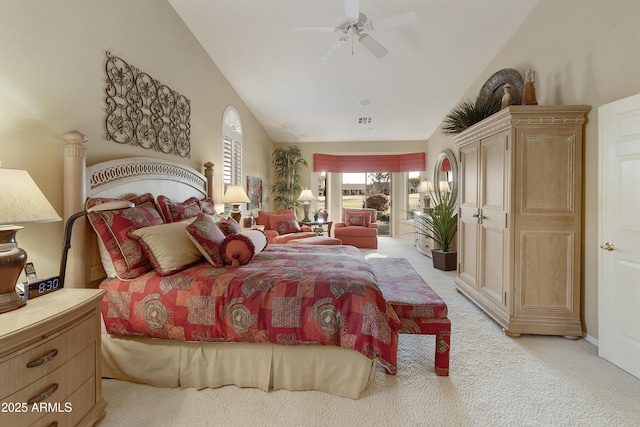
(162, 363)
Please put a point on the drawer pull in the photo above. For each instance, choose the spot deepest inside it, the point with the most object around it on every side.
(45, 395)
(44, 359)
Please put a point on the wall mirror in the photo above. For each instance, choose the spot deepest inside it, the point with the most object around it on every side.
(445, 174)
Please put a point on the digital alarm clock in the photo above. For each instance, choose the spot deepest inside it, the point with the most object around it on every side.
(41, 287)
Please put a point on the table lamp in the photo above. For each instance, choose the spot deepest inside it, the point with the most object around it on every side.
(235, 195)
(426, 187)
(305, 197)
(21, 202)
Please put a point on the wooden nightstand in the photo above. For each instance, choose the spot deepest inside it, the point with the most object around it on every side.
(50, 354)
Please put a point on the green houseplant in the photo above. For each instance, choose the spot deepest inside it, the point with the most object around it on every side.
(441, 225)
(287, 164)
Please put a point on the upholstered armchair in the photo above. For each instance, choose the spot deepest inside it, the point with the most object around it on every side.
(282, 226)
(357, 228)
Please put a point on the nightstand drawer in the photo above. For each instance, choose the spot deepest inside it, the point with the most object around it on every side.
(80, 402)
(59, 384)
(47, 355)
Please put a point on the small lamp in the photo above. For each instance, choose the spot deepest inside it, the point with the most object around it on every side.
(235, 195)
(426, 187)
(305, 197)
(444, 188)
(68, 228)
(21, 202)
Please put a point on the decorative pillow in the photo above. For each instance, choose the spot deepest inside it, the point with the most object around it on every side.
(264, 216)
(239, 249)
(168, 246)
(207, 206)
(207, 237)
(113, 227)
(173, 212)
(284, 223)
(230, 226)
(356, 219)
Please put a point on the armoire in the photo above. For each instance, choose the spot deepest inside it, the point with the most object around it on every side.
(520, 218)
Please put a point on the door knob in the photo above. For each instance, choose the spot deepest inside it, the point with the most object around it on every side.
(608, 246)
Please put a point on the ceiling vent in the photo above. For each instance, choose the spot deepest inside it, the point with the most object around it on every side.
(365, 120)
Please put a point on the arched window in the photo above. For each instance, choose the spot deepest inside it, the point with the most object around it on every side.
(231, 149)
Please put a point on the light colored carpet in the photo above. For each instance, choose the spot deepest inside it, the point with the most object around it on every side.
(494, 381)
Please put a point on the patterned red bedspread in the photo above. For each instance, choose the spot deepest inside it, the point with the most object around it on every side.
(288, 294)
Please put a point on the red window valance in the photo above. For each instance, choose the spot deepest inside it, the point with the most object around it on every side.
(412, 162)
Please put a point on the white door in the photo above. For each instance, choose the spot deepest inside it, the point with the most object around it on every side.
(619, 234)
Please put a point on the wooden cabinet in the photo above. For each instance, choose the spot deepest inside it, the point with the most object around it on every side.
(519, 233)
(50, 360)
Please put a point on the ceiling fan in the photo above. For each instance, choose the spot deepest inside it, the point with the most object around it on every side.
(357, 23)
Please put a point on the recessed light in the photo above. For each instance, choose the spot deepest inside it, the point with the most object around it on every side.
(364, 102)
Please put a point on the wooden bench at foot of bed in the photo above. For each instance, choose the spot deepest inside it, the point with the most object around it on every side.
(419, 308)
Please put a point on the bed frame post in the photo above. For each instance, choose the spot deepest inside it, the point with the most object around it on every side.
(74, 194)
(208, 173)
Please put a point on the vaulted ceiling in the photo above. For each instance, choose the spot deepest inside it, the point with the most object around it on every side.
(299, 97)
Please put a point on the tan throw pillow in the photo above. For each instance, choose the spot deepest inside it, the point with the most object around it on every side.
(168, 246)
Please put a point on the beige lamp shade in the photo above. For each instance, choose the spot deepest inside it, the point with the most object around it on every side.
(306, 195)
(235, 194)
(21, 201)
(425, 187)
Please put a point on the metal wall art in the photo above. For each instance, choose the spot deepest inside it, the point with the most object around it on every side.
(143, 112)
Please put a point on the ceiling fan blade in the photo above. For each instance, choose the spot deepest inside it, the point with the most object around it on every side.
(352, 9)
(328, 54)
(327, 29)
(373, 46)
(393, 21)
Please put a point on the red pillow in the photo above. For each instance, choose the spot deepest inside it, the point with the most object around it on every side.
(264, 216)
(356, 219)
(239, 249)
(208, 238)
(230, 226)
(207, 206)
(284, 223)
(113, 227)
(174, 212)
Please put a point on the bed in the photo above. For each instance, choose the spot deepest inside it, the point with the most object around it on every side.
(294, 317)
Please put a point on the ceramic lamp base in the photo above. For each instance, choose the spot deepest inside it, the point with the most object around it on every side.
(12, 261)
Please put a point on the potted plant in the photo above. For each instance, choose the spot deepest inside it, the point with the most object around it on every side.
(441, 225)
(287, 164)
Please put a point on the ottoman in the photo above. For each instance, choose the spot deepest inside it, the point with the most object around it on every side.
(316, 240)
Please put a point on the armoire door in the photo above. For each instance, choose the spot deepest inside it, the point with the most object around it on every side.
(492, 218)
(468, 226)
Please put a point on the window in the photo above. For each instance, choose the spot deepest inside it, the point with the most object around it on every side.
(231, 150)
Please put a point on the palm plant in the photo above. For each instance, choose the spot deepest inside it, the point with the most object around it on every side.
(287, 164)
(469, 112)
(441, 223)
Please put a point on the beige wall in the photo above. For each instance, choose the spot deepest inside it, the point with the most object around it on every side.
(52, 80)
(584, 52)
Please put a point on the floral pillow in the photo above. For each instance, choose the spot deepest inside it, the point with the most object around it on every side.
(173, 212)
(207, 237)
(113, 227)
(230, 226)
(284, 223)
(356, 219)
(207, 206)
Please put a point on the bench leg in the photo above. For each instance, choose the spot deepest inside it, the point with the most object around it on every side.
(443, 341)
